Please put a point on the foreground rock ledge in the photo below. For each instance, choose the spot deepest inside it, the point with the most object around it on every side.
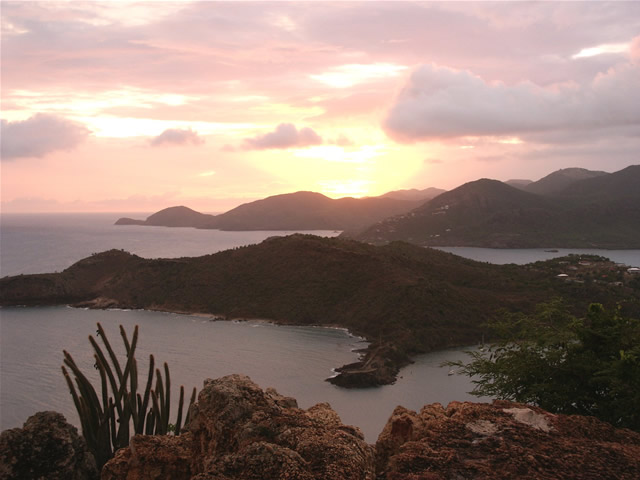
(240, 432)
(503, 440)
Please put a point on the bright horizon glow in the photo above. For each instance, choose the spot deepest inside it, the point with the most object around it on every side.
(342, 189)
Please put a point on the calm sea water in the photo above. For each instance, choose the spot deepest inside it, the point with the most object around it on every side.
(41, 243)
(294, 360)
(520, 256)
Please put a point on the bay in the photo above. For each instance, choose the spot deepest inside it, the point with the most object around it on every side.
(294, 360)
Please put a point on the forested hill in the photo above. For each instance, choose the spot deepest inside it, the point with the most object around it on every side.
(291, 211)
(601, 211)
(405, 299)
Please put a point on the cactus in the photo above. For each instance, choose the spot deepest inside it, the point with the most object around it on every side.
(108, 420)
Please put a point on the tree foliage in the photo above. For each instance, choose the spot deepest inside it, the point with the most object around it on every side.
(564, 364)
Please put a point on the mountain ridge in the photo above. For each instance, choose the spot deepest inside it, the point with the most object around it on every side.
(290, 211)
(559, 180)
(601, 211)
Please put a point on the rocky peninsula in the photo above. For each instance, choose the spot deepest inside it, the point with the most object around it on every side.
(240, 432)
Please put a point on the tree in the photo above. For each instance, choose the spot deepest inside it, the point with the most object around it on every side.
(586, 366)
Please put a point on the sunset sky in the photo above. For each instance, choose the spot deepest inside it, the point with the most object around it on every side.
(136, 105)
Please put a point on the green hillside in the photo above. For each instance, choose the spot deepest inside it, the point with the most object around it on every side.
(598, 212)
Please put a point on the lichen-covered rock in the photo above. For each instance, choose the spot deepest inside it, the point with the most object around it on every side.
(151, 457)
(240, 432)
(235, 425)
(502, 440)
(47, 447)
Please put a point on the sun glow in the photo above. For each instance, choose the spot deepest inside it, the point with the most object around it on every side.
(345, 188)
(335, 153)
(345, 76)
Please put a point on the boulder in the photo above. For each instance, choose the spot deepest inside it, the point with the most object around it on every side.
(47, 447)
(151, 456)
(239, 431)
(502, 440)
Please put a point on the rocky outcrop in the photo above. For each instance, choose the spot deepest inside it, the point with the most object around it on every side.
(502, 440)
(379, 366)
(152, 457)
(46, 448)
(238, 431)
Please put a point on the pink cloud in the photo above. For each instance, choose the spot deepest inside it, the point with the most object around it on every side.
(40, 135)
(634, 50)
(176, 136)
(285, 135)
(439, 102)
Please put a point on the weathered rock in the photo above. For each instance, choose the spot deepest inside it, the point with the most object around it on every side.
(151, 456)
(502, 440)
(47, 447)
(238, 431)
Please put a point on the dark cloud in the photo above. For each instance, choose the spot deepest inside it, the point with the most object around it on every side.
(40, 135)
(176, 136)
(286, 135)
(440, 102)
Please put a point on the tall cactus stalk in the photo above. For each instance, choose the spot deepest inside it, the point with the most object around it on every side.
(108, 419)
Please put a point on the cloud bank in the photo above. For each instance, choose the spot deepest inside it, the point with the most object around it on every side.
(440, 102)
(40, 135)
(286, 135)
(177, 136)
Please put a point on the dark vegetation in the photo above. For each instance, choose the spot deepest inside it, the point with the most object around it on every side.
(109, 418)
(572, 207)
(564, 364)
(292, 211)
(558, 181)
(404, 299)
(581, 210)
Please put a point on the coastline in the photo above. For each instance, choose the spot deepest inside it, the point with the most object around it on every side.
(371, 369)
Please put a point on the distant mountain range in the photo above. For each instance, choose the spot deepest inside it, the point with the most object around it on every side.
(291, 211)
(579, 208)
(572, 207)
(415, 194)
(559, 180)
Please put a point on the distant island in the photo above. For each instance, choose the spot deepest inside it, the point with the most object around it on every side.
(570, 208)
(403, 298)
(294, 211)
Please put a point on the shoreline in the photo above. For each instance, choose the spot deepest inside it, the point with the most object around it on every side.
(377, 364)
